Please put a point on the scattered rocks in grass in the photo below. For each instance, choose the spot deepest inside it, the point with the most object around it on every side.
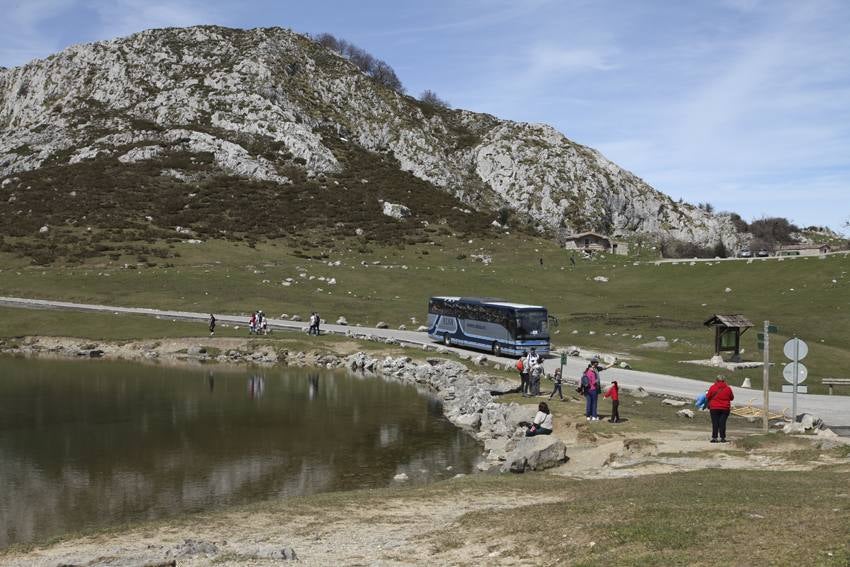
(625, 365)
(395, 210)
(382, 325)
(685, 413)
(727, 290)
(44, 229)
(601, 279)
(422, 329)
(793, 428)
(401, 477)
(674, 403)
(296, 318)
(656, 344)
(341, 320)
(402, 327)
(639, 393)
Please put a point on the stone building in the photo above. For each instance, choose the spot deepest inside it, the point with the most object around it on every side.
(592, 242)
(803, 249)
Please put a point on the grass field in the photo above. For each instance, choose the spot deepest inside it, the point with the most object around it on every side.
(806, 297)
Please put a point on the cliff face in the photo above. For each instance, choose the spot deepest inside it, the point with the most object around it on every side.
(262, 104)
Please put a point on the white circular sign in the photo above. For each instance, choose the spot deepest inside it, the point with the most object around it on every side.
(796, 346)
(802, 373)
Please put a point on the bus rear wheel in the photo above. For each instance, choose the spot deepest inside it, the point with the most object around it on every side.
(497, 349)
(446, 340)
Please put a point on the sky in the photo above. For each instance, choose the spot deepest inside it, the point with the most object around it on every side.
(744, 104)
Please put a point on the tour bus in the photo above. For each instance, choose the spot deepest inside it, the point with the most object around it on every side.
(497, 326)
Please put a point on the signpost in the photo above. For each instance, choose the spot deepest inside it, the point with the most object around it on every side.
(764, 344)
(795, 373)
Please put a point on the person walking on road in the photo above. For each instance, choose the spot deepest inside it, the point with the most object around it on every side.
(212, 324)
(720, 397)
(559, 381)
(613, 392)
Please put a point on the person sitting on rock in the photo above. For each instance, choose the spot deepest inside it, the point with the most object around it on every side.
(542, 421)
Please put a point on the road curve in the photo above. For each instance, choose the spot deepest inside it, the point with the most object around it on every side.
(834, 410)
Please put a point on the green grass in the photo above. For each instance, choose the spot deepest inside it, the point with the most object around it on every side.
(708, 517)
(640, 415)
(664, 300)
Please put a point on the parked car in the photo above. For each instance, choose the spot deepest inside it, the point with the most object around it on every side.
(762, 253)
(745, 254)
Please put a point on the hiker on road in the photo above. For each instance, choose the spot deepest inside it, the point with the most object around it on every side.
(212, 324)
(719, 398)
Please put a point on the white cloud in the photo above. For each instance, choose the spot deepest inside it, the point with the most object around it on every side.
(548, 60)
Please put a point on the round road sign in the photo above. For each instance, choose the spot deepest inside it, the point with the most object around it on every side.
(796, 346)
(802, 373)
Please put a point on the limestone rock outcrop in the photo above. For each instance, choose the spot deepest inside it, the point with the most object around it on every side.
(258, 103)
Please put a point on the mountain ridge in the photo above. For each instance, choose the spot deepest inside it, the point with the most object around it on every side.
(270, 105)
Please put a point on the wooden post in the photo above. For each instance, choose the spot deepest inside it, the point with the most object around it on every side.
(766, 376)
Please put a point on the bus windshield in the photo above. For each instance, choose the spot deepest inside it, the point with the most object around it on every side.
(532, 324)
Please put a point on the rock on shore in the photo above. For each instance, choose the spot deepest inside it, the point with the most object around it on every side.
(469, 402)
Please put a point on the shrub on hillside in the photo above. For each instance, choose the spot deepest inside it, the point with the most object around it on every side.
(430, 97)
(674, 248)
(365, 61)
(773, 230)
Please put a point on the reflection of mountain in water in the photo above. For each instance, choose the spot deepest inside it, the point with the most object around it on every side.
(95, 443)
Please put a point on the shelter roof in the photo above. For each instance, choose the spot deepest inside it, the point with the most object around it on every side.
(731, 321)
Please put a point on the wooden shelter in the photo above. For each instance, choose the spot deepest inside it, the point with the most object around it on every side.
(727, 333)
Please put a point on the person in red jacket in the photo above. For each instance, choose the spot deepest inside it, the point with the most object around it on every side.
(720, 398)
(614, 393)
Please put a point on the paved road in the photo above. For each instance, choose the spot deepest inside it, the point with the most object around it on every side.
(736, 259)
(834, 410)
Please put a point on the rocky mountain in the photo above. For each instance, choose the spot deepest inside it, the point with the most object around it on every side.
(196, 126)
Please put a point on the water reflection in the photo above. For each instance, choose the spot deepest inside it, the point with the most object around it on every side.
(95, 443)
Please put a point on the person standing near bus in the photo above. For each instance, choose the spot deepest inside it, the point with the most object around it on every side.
(522, 368)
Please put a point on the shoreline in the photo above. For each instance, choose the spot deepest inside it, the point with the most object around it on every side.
(401, 523)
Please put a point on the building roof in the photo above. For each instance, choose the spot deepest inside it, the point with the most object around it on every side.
(738, 321)
(583, 234)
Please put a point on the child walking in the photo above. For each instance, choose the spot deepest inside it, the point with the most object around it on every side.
(558, 379)
(614, 393)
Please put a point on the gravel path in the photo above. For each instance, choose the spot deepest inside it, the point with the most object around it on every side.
(834, 410)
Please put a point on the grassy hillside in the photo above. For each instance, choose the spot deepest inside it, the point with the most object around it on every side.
(375, 282)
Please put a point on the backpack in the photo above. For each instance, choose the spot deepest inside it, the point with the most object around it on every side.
(519, 365)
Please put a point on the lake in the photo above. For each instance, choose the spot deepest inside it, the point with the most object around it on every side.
(89, 444)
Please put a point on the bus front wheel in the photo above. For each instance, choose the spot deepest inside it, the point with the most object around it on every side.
(446, 340)
(497, 349)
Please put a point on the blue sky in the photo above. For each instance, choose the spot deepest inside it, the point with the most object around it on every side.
(741, 103)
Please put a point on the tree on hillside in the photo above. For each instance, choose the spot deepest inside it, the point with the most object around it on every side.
(773, 230)
(707, 207)
(363, 60)
(430, 97)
